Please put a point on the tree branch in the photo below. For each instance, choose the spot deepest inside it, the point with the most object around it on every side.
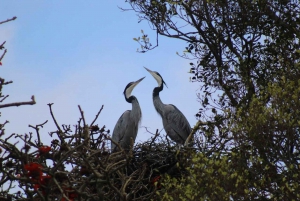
(32, 102)
(96, 116)
(8, 20)
(3, 53)
(37, 130)
(2, 45)
(196, 127)
(58, 127)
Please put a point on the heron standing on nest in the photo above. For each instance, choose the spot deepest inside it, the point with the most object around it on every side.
(175, 124)
(126, 129)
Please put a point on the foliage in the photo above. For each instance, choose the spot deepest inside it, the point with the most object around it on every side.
(263, 163)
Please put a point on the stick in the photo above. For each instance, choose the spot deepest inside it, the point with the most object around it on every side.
(32, 102)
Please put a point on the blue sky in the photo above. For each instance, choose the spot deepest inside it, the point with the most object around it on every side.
(74, 53)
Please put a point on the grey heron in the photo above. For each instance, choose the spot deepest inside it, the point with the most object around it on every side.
(126, 128)
(175, 123)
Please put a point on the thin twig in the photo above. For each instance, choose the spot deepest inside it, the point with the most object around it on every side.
(5, 83)
(96, 116)
(60, 189)
(3, 54)
(8, 20)
(4, 98)
(65, 156)
(2, 46)
(82, 115)
(96, 173)
(86, 132)
(154, 138)
(112, 186)
(37, 130)
(58, 127)
(196, 127)
(117, 144)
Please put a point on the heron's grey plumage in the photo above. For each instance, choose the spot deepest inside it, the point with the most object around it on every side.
(126, 128)
(175, 123)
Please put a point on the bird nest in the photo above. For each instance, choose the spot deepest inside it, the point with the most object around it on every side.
(83, 168)
(136, 174)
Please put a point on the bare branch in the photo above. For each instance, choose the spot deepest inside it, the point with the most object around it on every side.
(194, 130)
(32, 102)
(97, 116)
(2, 45)
(3, 54)
(8, 20)
(4, 98)
(58, 127)
(5, 83)
(82, 115)
(37, 130)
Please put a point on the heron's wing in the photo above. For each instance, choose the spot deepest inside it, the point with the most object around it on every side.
(120, 128)
(175, 123)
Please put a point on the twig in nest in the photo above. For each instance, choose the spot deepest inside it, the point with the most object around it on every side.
(154, 138)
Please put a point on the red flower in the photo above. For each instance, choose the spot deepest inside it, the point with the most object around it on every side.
(0, 63)
(34, 170)
(36, 187)
(154, 180)
(44, 150)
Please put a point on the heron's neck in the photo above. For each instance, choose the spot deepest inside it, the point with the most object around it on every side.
(136, 112)
(158, 104)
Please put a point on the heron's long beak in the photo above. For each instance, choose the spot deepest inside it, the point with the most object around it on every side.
(150, 71)
(130, 87)
(154, 74)
(138, 81)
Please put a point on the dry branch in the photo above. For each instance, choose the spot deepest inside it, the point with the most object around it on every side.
(32, 102)
(8, 20)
